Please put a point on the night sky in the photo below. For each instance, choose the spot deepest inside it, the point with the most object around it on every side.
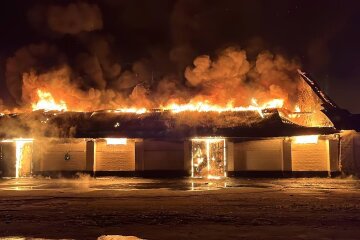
(324, 36)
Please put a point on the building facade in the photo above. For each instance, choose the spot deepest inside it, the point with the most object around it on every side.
(211, 157)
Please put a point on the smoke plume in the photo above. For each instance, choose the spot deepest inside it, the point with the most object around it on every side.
(74, 18)
(92, 75)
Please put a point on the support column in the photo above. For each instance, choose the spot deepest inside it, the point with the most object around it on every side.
(187, 156)
(333, 147)
(229, 156)
(286, 155)
(139, 155)
(90, 156)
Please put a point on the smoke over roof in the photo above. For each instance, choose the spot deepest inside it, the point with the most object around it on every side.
(80, 59)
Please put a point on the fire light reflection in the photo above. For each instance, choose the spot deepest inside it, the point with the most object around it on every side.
(308, 139)
(116, 141)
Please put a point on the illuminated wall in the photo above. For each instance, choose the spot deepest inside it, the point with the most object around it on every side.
(321, 155)
(304, 154)
(59, 155)
(310, 156)
(160, 155)
(114, 155)
(258, 155)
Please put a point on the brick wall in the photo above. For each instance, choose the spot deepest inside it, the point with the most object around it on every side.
(310, 157)
(49, 155)
(119, 157)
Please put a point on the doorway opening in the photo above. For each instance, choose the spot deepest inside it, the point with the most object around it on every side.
(208, 157)
(16, 157)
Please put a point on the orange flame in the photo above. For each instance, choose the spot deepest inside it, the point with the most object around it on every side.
(47, 102)
(132, 110)
(207, 107)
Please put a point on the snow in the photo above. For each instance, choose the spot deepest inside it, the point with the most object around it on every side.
(87, 208)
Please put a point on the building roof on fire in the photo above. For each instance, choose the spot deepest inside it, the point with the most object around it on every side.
(153, 124)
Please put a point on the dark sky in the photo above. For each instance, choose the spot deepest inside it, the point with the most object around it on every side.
(323, 35)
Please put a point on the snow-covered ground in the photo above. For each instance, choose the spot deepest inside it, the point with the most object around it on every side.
(87, 208)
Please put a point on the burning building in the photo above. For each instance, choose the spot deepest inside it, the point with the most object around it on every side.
(198, 140)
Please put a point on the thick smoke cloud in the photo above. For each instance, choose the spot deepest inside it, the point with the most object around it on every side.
(98, 66)
(277, 76)
(229, 77)
(74, 18)
(92, 75)
(39, 57)
(233, 77)
(59, 83)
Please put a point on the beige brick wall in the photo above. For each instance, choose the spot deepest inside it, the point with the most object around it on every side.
(49, 155)
(258, 155)
(163, 155)
(310, 157)
(120, 157)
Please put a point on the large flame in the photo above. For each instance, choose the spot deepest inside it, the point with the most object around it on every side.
(47, 102)
(207, 107)
(132, 110)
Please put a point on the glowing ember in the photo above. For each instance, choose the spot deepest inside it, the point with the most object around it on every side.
(46, 102)
(309, 139)
(116, 141)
